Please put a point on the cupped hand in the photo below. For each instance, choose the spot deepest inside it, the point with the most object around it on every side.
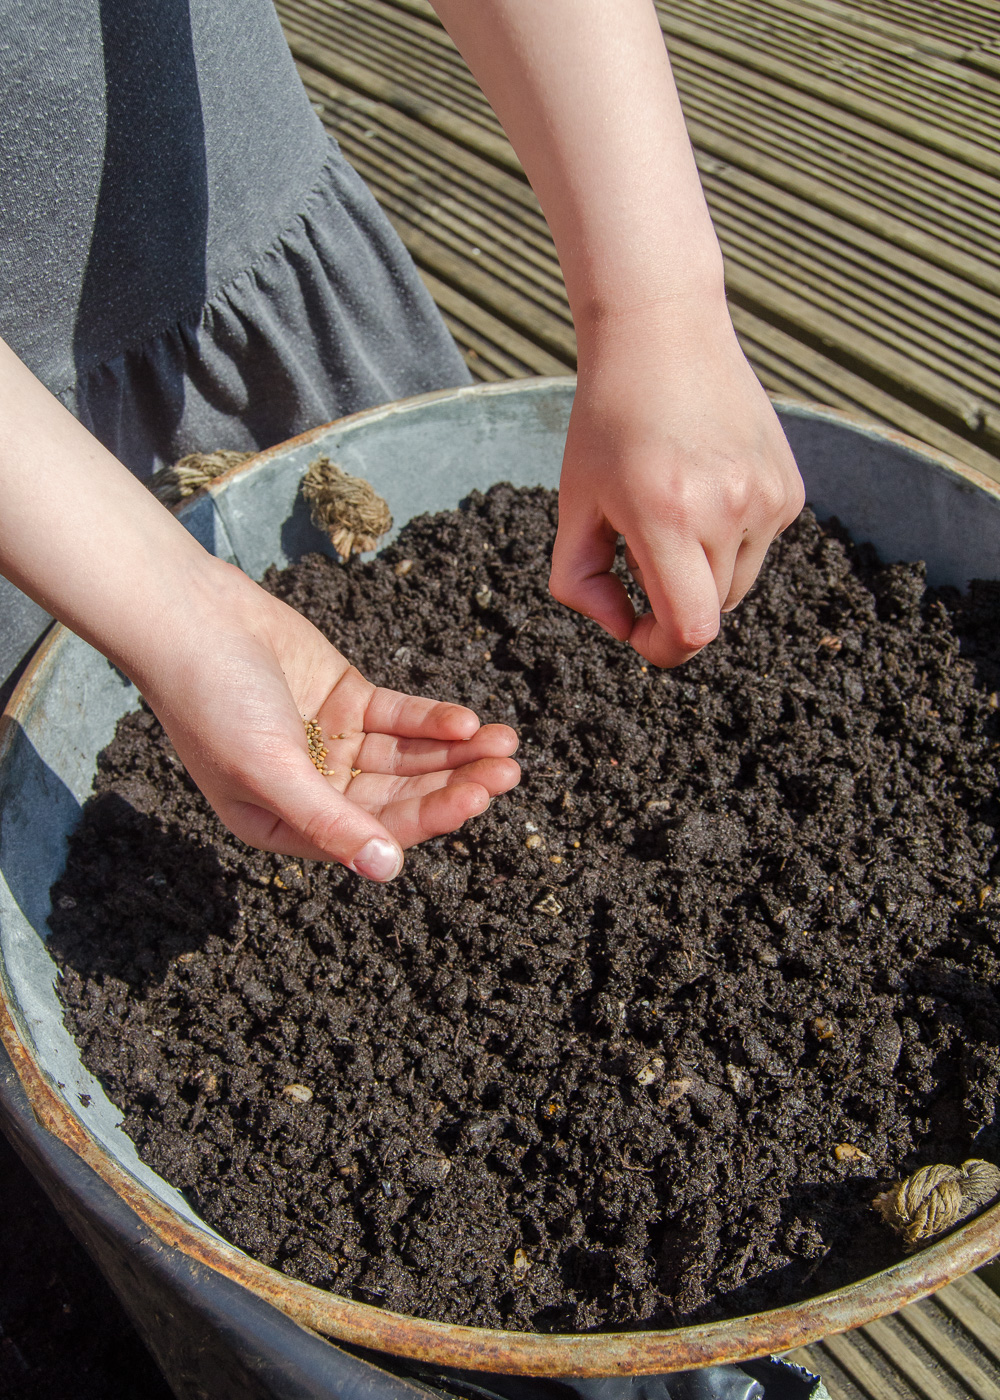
(235, 691)
(674, 446)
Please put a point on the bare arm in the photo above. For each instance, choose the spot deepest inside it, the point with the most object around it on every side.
(673, 443)
(229, 670)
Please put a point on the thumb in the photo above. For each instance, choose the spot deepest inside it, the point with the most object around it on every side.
(582, 559)
(301, 815)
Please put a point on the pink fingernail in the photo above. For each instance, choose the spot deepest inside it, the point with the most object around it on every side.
(379, 860)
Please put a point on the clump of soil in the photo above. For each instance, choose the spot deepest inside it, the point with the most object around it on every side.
(642, 1043)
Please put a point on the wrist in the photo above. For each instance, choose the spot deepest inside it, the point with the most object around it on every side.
(176, 608)
(663, 327)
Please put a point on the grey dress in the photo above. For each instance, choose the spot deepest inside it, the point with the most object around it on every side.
(186, 260)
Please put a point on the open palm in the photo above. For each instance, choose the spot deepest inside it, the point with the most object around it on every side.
(398, 769)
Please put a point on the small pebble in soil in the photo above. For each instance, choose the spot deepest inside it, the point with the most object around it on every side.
(847, 1152)
(771, 940)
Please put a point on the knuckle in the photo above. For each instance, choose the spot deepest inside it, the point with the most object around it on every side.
(560, 588)
(694, 633)
(328, 831)
(737, 494)
(774, 495)
(797, 499)
(686, 504)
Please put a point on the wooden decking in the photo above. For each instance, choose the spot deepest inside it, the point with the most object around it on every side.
(943, 1348)
(850, 154)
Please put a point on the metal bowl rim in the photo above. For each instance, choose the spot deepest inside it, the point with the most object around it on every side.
(486, 1349)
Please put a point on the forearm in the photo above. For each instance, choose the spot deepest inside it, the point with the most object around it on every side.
(84, 538)
(672, 443)
(229, 669)
(585, 92)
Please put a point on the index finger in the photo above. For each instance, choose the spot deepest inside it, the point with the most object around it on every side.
(416, 717)
(684, 599)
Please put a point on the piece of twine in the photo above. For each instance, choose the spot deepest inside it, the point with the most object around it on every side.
(171, 485)
(935, 1198)
(345, 507)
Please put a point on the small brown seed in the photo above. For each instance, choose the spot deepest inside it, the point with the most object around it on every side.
(403, 568)
(823, 1028)
(556, 860)
(832, 644)
(650, 1072)
(533, 841)
(300, 1093)
(549, 905)
(314, 743)
(521, 1263)
(847, 1152)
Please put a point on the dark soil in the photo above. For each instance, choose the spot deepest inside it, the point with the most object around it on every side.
(589, 1062)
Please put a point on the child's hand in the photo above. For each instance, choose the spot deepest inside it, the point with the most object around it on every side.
(233, 704)
(672, 441)
(673, 445)
(230, 671)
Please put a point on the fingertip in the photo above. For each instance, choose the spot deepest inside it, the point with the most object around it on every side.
(483, 798)
(649, 641)
(501, 738)
(460, 722)
(601, 597)
(379, 859)
(508, 774)
(471, 800)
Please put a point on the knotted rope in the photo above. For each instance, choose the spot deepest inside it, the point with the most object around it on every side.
(935, 1198)
(345, 507)
(172, 484)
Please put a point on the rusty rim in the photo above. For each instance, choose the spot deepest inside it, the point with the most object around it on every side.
(443, 1344)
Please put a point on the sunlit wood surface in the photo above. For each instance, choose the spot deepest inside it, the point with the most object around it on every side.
(849, 150)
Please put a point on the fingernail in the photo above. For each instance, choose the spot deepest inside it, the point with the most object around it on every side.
(379, 860)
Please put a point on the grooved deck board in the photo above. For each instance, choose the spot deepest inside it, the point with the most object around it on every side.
(946, 1347)
(850, 152)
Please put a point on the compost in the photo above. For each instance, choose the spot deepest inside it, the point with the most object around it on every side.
(642, 1043)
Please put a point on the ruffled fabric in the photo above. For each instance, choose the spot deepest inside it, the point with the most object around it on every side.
(331, 318)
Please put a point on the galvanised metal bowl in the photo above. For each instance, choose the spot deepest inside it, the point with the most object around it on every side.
(181, 1281)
